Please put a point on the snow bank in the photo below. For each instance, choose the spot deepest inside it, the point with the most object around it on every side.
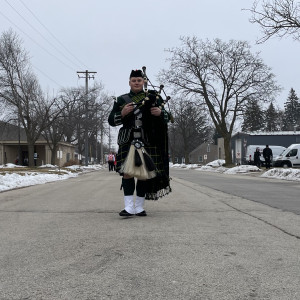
(285, 174)
(11, 181)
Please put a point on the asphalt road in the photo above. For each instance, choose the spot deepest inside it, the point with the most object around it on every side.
(276, 193)
(65, 240)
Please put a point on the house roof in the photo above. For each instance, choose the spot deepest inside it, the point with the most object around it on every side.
(255, 133)
(10, 132)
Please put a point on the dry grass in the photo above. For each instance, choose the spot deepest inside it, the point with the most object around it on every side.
(22, 171)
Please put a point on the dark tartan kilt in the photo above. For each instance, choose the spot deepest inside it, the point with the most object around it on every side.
(153, 151)
(158, 186)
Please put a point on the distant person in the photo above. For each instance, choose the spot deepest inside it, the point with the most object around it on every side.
(257, 155)
(111, 161)
(267, 154)
(35, 157)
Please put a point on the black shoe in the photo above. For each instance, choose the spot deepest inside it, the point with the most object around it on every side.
(125, 213)
(141, 214)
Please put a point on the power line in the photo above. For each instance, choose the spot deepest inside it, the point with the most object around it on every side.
(47, 76)
(36, 42)
(52, 34)
(41, 34)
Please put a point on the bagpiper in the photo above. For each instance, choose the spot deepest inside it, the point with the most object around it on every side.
(143, 144)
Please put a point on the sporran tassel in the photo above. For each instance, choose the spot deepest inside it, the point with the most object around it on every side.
(148, 161)
(137, 159)
(131, 169)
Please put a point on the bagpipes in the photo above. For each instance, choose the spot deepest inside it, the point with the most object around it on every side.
(151, 97)
(138, 162)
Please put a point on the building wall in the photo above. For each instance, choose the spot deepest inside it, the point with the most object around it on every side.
(197, 155)
(9, 153)
(40, 150)
(1, 155)
(278, 140)
(67, 154)
(221, 149)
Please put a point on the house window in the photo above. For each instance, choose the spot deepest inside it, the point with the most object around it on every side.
(68, 156)
(208, 148)
(200, 159)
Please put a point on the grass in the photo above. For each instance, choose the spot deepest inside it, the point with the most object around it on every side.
(23, 170)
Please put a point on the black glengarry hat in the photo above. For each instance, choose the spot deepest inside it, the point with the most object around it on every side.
(136, 73)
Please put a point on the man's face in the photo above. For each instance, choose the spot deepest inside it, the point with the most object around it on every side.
(136, 84)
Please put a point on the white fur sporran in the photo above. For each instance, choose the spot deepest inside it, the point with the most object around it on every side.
(129, 167)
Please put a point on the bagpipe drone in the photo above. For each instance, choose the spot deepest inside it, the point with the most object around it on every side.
(138, 162)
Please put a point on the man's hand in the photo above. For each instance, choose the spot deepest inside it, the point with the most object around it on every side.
(155, 111)
(128, 108)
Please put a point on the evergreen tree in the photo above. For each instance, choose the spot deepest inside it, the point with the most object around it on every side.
(253, 117)
(271, 121)
(280, 119)
(291, 111)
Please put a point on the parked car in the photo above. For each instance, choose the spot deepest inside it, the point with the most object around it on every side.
(289, 158)
(276, 150)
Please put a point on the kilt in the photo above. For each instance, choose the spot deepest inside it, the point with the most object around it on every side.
(153, 151)
(156, 187)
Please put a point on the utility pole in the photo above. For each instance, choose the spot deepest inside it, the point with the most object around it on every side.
(101, 139)
(109, 139)
(87, 76)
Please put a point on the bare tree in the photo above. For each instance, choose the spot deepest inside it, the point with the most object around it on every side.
(224, 76)
(20, 89)
(54, 132)
(75, 119)
(277, 18)
(190, 128)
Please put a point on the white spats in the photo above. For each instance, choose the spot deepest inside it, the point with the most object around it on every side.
(139, 204)
(129, 204)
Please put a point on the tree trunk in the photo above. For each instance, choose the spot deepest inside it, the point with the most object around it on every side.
(227, 149)
(53, 155)
(186, 157)
(30, 153)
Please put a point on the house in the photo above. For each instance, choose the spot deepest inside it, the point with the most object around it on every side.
(204, 154)
(241, 140)
(13, 142)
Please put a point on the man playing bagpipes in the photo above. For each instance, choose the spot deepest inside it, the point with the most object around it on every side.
(143, 144)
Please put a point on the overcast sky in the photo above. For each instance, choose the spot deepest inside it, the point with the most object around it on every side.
(114, 37)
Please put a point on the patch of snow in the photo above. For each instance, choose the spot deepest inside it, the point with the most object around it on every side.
(285, 174)
(11, 181)
(216, 163)
(9, 165)
(242, 169)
